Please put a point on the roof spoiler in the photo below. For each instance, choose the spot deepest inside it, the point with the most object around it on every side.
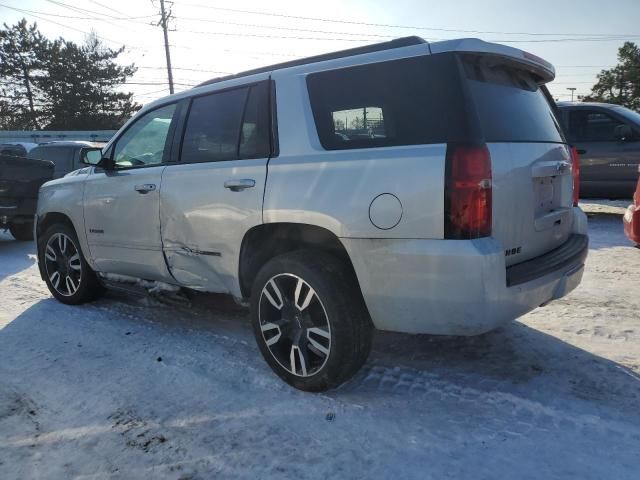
(537, 65)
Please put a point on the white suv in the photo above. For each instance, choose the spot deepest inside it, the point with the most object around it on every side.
(406, 186)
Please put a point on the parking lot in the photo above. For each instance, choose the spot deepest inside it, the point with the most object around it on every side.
(132, 387)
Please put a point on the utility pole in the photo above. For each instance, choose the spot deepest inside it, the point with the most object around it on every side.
(163, 24)
(573, 89)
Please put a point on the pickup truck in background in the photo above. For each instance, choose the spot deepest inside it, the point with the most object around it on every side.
(607, 138)
(20, 180)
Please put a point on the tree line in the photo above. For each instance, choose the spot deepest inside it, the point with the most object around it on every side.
(60, 85)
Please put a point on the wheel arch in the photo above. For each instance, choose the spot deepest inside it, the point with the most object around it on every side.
(266, 241)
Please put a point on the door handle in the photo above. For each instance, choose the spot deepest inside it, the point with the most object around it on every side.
(145, 188)
(581, 151)
(240, 184)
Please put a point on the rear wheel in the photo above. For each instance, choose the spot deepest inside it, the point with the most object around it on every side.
(22, 231)
(309, 320)
(68, 275)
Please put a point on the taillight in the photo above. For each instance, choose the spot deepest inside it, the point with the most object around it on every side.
(468, 192)
(575, 171)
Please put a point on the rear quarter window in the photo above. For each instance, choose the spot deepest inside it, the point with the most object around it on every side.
(401, 102)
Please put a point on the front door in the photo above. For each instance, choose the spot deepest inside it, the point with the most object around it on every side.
(213, 196)
(608, 165)
(122, 217)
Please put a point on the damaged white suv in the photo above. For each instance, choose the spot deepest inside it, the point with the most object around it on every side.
(405, 186)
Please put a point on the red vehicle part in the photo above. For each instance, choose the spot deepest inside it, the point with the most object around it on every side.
(631, 218)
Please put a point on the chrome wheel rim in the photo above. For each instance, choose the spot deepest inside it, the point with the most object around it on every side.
(62, 264)
(294, 325)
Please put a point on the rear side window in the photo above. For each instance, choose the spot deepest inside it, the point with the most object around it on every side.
(227, 125)
(402, 102)
(592, 126)
(510, 105)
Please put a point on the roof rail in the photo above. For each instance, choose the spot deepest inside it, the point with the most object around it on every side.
(376, 47)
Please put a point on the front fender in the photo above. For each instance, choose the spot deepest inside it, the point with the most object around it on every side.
(65, 196)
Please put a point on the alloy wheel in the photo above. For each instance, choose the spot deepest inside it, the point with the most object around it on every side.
(294, 324)
(62, 264)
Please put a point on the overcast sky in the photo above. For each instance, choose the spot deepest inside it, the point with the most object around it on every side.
(210, 38)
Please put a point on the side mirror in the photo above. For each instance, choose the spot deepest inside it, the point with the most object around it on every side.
(623, 133)
(93, 156)
(90, 156)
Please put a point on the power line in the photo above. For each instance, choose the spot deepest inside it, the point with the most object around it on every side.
(83, 10)
(75, 17)
(57, 23)
(283, 37)
(108, 8)
(277, 27)
(410, 27)
(185, 69)
(92, 15)
(593, 38)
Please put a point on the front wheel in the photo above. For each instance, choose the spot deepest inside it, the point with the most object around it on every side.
(309, 320)
(68, 275)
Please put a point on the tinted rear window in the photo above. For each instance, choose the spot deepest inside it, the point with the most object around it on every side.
(402, 102)
(510, 105)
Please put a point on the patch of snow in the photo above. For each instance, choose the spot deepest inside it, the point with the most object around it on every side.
(119, 388)
(604, 206)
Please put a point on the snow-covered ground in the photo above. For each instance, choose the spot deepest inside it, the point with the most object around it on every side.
(128, 388)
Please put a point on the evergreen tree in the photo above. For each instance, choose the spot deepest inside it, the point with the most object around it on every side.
(620, 84)
(86, 96)
(59, 84)
(22, 49)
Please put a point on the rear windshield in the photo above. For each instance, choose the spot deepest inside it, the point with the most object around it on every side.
(402, 102)
(510, 105)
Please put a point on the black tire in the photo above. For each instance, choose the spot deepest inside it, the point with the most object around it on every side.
(22, 231)
(337, 294)
(88, 288)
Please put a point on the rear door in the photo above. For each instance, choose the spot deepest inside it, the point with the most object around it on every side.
(530, 160)
(213, 196)
(609, 165)
(122, 206)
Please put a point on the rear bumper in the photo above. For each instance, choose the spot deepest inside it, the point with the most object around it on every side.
(631, 221)
(458, 287)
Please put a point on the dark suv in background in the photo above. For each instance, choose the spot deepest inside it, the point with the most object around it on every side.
(607, 138)
(65, 155)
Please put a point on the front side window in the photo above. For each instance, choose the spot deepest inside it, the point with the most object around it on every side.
(144, 143)
(592, 126)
